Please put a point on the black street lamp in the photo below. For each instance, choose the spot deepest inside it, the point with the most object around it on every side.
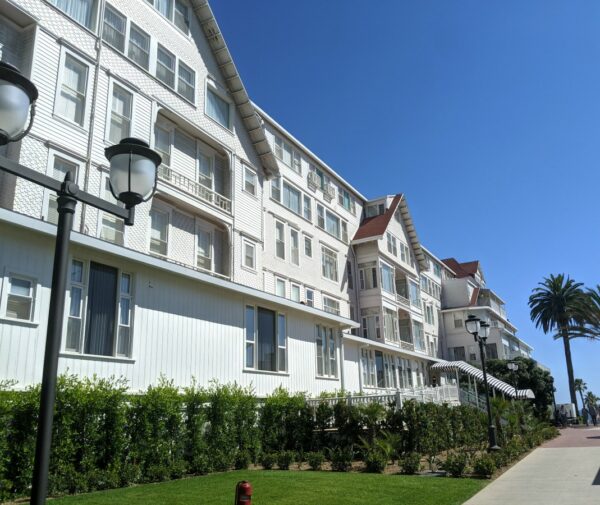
(133, 176)
(513, 367)
(480, 331)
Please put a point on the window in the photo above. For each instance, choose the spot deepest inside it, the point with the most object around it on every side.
(112, 228)
(81, 11)
(266, 339)
(291, 198)
(320, 216)
(165, 66)
(429, 317)
(162, 144)
(491, 351)
(287, 154)
(186, 85)
(20, 298)
(326, 352)
(404, 331)
(72, 91)
(310, 297)
(106, 330)
(249, 181)
(217, 108)
(279, 240)
(458, 353)
(371, 323)
(60, 168)
(276, 189)
(345, 200)
(114, 28)
(391, 244)
(159, 232)
(437, 270)
(458, 320)
(472, 353)
(390, 325)
(329, 264)
(280, 287)
(307, 208)
(349, 275)
(205, 170)
(295, 292)
(387, 278)
(332, 224)
(330, 305)
(165, 7)
(367, 275)
(367, 362)
(139, 46)
(294, 247)
(249, 255)
(415, 294)
(308, 247)
(181, 17)
(344, 232)
(204, 249)
(404, 253)
(120, 116)
(418, 336)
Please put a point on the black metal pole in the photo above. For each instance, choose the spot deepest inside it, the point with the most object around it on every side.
(493, 446)
(66, 209)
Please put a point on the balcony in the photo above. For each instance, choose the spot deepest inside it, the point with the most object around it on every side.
(194, 189)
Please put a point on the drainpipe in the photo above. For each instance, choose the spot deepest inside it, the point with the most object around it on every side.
(88, 162)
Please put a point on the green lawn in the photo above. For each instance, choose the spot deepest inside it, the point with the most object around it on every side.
(293, 487)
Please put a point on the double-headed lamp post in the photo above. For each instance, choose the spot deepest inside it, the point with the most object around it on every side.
(133, 177)
(480, 331)
(513, 367)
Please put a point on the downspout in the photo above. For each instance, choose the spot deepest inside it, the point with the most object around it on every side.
(88, 162)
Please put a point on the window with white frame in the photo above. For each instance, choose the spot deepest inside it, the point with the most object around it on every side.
(82, 11)
(287, 154)
(113, 31)
(276, 189)
(217, 108)
(112, 228)
(249, 181)
(391, 244)
(60, 167)
(162, 143)
(294, 247)
(204, 244)
(20, 298)
(326, 342)
(457, 353)
(165, 66)
(415, 294)
(404, 253)
(321, 216)
(307, 247)
(266, 339)
(249, 254)
(205, 170)
(437, 270)
(329, 264)
(331, 305)
(307, 208)
(159, 231)
(186, 83)
(121, 114)
(280, 240)
(310, 297)
(429, 314)
(280, 287)
(367, 275)
(371, 323)
(418, 336)
(70, 103)
(295, 292)
(346, 200)
(344, 232)
(458, 320)
(472, 353)
(367, 362)
(387, 278)
(390, 325)
(177, 11)
(291, 198)
(332, 224)
(139, 46)
(105, 328)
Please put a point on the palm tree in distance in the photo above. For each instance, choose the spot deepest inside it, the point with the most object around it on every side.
(581, 387)
(558, 304)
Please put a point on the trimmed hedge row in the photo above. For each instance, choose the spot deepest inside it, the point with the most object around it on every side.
(104, 437)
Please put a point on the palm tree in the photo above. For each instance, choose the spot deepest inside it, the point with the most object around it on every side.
(591, 399)
(590, 325)
(581, 387)
(557, 304)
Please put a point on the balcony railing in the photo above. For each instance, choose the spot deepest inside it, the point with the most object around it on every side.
(194, 188)
(403, 300)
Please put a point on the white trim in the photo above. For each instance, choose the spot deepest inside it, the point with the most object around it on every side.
(112, 80)
(34, 316)
(59, 82)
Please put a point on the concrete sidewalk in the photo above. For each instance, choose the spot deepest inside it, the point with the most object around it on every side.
(564, 471)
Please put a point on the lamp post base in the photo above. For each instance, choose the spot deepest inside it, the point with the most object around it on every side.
(493, 445)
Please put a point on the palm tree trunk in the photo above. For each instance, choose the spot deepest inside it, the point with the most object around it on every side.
(567, 344)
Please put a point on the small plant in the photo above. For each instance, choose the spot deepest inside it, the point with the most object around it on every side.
(484, 466)
(285, 459)
(375, 461)
(341, 459)
(242, 460)
(267, 460)
(410, 463)
(315, 460)
(456, 464)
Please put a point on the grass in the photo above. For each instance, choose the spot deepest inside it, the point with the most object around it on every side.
(287, 488)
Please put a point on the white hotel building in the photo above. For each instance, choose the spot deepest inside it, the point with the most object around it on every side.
(255, 262)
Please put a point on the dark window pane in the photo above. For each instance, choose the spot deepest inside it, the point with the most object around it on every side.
(267, 340)
(101, 310)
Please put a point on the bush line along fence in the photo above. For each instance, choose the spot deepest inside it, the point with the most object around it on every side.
(106, 438)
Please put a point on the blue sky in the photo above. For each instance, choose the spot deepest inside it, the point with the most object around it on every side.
(485, 114)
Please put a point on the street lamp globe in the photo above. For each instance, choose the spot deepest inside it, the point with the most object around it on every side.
(472, 324)
(17, 100)
(484, 330)
(133, 171)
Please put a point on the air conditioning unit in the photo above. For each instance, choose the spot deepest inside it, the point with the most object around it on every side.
(313, 180)
(329, 192)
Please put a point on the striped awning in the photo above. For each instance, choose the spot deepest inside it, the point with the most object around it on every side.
(477, 374)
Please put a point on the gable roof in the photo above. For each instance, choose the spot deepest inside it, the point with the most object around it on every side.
(250, 117)
(373, 228)
(469, 268)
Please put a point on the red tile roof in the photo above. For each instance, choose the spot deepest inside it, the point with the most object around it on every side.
(377, 225)
(461, 270)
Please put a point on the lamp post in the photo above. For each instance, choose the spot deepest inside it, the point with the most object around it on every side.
(133, 176)
(513, 367)
(480, 331)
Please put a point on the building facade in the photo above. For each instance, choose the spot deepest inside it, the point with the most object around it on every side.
(255, 261)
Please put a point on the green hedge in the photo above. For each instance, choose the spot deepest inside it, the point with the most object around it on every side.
(105, 438)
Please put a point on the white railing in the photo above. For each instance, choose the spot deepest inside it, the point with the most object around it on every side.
(194, 188)
(403, 300)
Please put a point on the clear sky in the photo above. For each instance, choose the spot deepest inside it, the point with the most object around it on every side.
(485, 114)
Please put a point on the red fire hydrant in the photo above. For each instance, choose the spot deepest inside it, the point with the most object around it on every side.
(243, 493)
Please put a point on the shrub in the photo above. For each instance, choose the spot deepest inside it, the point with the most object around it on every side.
(410, 463)
(341, 459)
(285, 459)
(267, 460)
(315, 460)
(456, 464)
(375, 461)
(242, 460)
(484, 466)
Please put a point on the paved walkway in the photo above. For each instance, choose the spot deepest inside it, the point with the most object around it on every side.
(563, 471)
